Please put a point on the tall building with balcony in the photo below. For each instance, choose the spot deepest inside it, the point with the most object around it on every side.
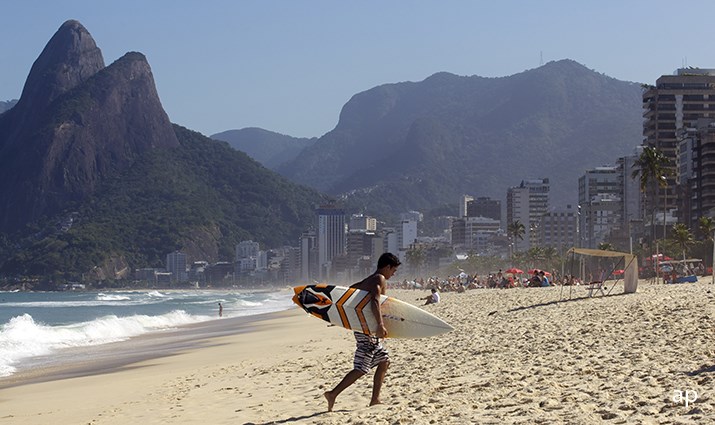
(675, 103)
(696, 171)
(176, 265)
(484, 207)
(558, 229)
(464, 201)
(599, 196)
(332, 236)
(527, 203)
(309, 257)
(360, 222)
(474, 234)
(630, 191)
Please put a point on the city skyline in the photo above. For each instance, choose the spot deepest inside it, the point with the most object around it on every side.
(289, 67)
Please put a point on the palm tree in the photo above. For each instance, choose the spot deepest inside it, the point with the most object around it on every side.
(551, 257)
(651, 168)
(516, 230)
(605, 246)
(682, 237)
(415, 257)
(535, 256)
(707, 227)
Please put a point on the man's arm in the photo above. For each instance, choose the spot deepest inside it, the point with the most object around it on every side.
(377, 289)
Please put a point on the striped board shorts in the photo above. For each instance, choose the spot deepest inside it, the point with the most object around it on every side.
(369, 352)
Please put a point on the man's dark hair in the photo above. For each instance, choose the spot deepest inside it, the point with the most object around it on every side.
(388, 259)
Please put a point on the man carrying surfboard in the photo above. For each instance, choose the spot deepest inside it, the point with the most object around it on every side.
(369, 352)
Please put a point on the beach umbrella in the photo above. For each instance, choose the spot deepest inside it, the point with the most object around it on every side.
(514, 270)
(618, 272)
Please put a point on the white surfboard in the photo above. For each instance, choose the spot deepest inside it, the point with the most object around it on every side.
(350, 308)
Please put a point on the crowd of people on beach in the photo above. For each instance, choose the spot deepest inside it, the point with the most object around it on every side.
(463, 281)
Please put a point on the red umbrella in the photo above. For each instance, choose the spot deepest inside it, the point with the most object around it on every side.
(514, 270)
(618, 272)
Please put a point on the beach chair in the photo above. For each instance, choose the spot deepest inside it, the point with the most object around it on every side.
(595, 286)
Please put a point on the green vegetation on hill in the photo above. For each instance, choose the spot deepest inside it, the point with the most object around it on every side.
(269, 148)
(416, 145)
(202, 198)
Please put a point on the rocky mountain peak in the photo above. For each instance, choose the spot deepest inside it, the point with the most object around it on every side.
(78, 124)
(69, 58)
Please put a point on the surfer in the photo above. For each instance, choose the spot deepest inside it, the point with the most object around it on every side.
(370, 352)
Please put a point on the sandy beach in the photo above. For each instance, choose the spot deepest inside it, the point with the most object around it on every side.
(516, 356)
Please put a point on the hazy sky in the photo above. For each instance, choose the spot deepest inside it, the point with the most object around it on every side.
(290, 66)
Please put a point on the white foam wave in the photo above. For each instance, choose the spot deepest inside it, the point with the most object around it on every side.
(22, 337)
(112, 297)
(246, 303)
(271, 303)
(52, 304)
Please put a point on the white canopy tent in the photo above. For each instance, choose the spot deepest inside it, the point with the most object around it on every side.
(629, 261)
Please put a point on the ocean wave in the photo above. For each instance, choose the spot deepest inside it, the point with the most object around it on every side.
(64, 304)
(112, 297)
(22, 337)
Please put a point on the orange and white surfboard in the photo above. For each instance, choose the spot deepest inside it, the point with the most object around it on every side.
(350, 308)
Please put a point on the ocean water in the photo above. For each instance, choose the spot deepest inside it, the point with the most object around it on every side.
(35, 324)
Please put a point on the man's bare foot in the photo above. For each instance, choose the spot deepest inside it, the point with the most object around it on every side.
(331, 400)
(372, 403)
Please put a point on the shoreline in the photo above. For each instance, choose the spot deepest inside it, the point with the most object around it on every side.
(112, 357)
(515, 356)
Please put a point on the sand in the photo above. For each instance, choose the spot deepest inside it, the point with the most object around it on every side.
(516, 356)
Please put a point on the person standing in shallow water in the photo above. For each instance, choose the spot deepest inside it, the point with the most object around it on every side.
(369, 351)
(220, 310)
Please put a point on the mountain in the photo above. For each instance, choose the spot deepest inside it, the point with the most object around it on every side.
(269, 148)
(97, 181)
(7, 104)
(76, 124)
(416, 145)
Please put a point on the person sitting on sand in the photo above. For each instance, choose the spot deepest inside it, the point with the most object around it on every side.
(369, 352)
(433, 298)
(535, 281)
(544, 279)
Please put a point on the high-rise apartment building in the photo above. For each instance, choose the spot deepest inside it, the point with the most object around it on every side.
(558, 229)
(332, 234)
(176, 265)
(484, 207)
(463, 202)
(309, 257)
(360, 222)
(675, 103)
(630, 191)
(474, 233)
(247, 249)
(527, 203)
(696, 171)
(599, 201)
